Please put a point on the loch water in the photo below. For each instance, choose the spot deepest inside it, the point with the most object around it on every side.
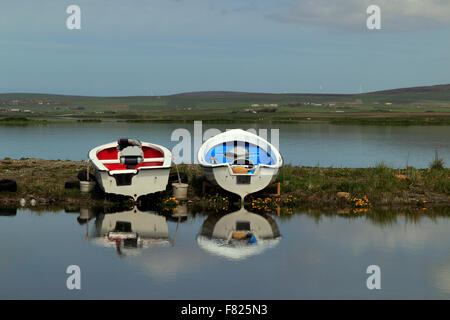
(297, 256)
(303, 255)
(300, 144)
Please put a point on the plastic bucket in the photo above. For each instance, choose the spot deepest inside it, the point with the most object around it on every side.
(180, 190)
(86, 214)
(181, 211)
(87, 186)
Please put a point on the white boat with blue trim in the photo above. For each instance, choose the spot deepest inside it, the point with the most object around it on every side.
(239, 161)
(238, 235)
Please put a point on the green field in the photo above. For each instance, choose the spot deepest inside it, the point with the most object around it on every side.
(425, 105)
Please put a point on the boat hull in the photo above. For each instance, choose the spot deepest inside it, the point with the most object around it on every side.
(239, 161)
(119, 173)
(142, 183)
(239, 184)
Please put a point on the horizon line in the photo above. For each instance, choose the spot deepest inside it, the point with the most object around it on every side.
(231, 92)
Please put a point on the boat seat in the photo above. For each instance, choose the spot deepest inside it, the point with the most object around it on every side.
(111, 158)
(146, 160)
(131, 156)
(243, 166)
(118, 168)
(239, 170)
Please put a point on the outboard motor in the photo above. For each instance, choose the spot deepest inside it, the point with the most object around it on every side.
(131, 153)
(125, 142)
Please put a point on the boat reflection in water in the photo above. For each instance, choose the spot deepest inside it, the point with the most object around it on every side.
(238, 235)
(131, 231)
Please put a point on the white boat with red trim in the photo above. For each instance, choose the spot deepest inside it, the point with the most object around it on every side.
(131, 231)
(130, 167)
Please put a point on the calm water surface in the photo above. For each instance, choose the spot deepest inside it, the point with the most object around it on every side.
(302, 144)
(316, 256)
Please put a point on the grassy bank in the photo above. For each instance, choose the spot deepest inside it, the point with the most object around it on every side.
(233, 117)
(20, 121)
(307, 187)
(383, 186)
(42, 180)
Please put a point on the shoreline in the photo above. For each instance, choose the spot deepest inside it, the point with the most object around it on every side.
(310, 187)
(399, 119)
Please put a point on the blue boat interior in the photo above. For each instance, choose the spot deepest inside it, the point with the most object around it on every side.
(220, 154)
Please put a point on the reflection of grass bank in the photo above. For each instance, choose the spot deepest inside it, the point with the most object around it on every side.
(312, 187)
(382, 217)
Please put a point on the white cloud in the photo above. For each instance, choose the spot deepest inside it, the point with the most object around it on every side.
(351, 14)
(167, 265)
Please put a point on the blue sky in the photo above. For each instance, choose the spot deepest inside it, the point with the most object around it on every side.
(140, 47)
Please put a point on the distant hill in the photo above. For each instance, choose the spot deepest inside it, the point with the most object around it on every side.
(423, 89)
(438, 94)
(436, 88)
(239, 93)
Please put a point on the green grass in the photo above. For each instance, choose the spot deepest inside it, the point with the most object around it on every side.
(22, 121)
(438, 163)
(380, 183)
(318, 187)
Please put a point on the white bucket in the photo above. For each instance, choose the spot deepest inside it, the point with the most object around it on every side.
(181, 211)
(87, 186)
(180, 190)
(86, 214)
